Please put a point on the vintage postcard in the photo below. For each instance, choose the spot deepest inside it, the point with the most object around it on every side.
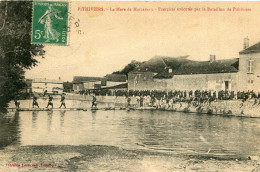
(129, 86)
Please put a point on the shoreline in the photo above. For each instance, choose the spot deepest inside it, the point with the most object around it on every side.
(220, 107)
(110, 158)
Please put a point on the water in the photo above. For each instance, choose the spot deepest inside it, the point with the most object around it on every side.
(164, 131)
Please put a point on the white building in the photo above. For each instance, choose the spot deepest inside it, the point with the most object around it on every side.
(44, 85)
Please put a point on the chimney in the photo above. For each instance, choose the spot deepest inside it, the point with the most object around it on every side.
(212, 58)
(246, 43)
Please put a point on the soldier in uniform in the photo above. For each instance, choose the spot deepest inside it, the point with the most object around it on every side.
(62, 101)
(35, 103)
(50, 102)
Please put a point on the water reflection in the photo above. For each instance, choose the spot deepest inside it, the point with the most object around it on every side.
(34, 119)
(93, 114)
(62, 117)
(49, 120)
(9, 128)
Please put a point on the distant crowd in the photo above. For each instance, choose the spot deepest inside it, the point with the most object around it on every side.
(158, 98)
(162, 99)
(198, 94)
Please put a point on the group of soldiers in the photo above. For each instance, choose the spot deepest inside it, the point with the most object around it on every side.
(186, 94)
(161, 99)
(50, 102)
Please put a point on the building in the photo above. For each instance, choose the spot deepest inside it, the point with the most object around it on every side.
(49, 86)
(249, 67)
(28, 86)
(111, 90)
(115, 79)
(110, 81)
(180, 73)
(81, 83)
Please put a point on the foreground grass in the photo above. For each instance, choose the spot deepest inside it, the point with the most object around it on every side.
(108, 158)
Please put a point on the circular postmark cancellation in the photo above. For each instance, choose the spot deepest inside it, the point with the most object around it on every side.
(50, 22)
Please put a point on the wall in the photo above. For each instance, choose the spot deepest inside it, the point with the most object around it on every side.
(141, 81)
(105, 99)
(111, 83)
(51, 87)
(90, 84)
(38, 87)
(214, 82)
(245, 77)
(78, 87)
(225, 107)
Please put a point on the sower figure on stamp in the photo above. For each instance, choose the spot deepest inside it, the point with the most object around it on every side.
(50, 102)
(47, 20)
(35, 103)
(62, 101)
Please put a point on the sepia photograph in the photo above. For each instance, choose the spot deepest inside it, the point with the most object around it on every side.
(131, 86)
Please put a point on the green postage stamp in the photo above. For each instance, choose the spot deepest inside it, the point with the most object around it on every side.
(50, 22)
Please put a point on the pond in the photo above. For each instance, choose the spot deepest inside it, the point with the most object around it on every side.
(152, 130)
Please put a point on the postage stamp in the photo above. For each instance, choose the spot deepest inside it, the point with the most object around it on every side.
(50, 22)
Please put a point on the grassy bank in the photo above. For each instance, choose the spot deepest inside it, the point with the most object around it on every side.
(107, 158)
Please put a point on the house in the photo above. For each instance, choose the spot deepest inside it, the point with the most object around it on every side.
(115, 79)
(249, 67)
(112, 90)
(81, 83)
(180, 73)
(45, 85)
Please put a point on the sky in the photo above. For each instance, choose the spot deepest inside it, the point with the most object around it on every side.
(112, 39)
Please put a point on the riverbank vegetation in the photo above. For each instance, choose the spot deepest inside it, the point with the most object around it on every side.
(17, 54)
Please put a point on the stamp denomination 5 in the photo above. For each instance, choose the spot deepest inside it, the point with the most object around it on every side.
(50, 22)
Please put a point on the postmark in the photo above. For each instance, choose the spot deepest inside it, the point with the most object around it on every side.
(50, 22)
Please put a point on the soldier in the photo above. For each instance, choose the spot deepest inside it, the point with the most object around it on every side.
(35, 103)
(94, 102)
(17, 104)
(141, 101)
(62, 101)
(128, 101)
(50, 102)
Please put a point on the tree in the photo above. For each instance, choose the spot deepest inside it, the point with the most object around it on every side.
(16, 51)
(128, 68)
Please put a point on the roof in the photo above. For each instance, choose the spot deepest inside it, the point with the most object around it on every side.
(125, 85)
(40, 80)
(77, 79)
(207, 67)
(253, 49)
(159, 64)
(183, 66)
(116, 77)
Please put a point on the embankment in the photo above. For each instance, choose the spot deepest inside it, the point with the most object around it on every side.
(223, 107)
